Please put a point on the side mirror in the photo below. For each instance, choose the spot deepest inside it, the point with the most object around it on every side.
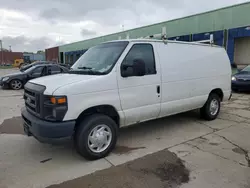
(126, 70)
(30, 75)
(136, 69)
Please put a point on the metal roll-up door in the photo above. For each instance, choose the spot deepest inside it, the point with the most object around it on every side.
(242, 51)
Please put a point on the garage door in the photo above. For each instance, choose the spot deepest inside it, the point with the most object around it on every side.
(242, 51)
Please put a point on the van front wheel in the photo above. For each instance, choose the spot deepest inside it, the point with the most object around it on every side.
(211, 109)
(96, 136)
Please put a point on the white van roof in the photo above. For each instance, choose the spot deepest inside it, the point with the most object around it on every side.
(166, 41)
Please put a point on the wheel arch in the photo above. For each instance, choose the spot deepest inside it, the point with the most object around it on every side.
(219, 92)
(106, 109)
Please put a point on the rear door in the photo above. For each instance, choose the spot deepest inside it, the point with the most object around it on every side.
(54, 69)
(140, 95)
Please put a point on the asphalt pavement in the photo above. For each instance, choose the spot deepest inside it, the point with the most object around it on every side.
(177, 151)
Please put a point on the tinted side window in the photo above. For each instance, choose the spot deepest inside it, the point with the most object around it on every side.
(54, 70)
(37, 71)
(143, 52)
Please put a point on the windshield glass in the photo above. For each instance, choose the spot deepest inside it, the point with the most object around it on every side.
(99, 59)
(246, 69)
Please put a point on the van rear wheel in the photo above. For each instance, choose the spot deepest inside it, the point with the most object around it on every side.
(96, 136)
(211, 109)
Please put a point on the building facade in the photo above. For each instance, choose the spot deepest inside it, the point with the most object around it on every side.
(52, 54)
(9, 58)
(230, 27)
(33, 57)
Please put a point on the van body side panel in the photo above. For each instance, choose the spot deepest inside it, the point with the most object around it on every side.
(189, 74)
(88, 100)
(102, 90)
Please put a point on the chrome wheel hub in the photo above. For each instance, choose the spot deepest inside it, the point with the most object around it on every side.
(16, 84)
(99, 138)
(214, 107)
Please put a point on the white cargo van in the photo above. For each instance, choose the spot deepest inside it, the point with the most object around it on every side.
(120, 83)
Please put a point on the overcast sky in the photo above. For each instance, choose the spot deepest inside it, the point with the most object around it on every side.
(31, 25)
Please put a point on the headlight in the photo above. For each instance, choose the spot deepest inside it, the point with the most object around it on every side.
(58, 100)
(55, 107)
(5, 79)
(233, 78)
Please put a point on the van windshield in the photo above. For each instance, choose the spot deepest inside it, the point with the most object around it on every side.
(100, 59)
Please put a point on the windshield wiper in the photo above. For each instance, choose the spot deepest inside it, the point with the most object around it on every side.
(88, 71)
(85, 68)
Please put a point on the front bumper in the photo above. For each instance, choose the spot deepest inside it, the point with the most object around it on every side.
(45, 131)
(244, 86)
(4, 84)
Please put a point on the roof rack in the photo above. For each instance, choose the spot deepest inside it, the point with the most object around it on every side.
(210, 40)
(163, 36)
(160, 36)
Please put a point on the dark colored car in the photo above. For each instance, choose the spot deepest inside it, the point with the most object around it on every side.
(65, 65)
(17, 80)
(241, 80)
(27, 66)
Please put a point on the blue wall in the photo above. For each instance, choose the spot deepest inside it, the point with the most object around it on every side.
(219, 38)
(75, 54)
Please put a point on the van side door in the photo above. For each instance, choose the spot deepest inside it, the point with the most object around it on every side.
(140, 95)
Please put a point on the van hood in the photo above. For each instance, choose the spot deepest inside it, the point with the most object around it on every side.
(55, 82)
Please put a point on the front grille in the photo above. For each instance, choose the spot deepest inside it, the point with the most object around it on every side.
(30, 93)
(31, 101)
(33, 98)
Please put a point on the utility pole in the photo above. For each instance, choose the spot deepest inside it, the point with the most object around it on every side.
(10, 48)
(1, 45)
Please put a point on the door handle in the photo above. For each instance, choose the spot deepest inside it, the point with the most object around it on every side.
(158, 89)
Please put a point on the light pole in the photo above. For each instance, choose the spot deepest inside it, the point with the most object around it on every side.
(1, 45)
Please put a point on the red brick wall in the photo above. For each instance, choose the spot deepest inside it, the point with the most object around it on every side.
(51, 54)
(10, 57)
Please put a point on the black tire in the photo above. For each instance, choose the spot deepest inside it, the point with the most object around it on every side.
(205, 111)
(84, 130)
(16, 84)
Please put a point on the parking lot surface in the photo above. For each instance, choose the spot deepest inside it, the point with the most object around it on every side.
(177, 151)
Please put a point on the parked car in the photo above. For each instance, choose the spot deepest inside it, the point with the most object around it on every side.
(17, 80)
(120, 83)
(241, 80)
(65, 65)
(27, 66)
